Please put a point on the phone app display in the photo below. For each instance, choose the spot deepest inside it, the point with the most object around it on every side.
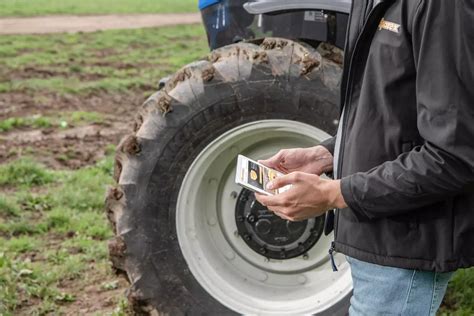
(260, 176)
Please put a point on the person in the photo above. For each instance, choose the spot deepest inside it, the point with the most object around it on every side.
(403, 156)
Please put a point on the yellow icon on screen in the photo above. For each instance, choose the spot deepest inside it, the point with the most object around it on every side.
(253, 175)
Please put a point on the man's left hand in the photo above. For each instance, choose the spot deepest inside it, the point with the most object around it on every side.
(310, 196)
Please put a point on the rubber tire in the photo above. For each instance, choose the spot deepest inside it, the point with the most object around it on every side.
(240, 83)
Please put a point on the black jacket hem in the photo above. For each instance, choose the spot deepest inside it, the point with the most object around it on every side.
(400, 262)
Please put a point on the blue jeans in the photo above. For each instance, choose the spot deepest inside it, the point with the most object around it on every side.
(380, 290)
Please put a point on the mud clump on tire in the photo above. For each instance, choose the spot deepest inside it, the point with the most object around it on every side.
(138, 123)
(208, 74)
(117, 169)
(308, 64)
(214, 57)
(180, 76)
(131, 145)
(260, 57)
(117, 248)
(164, 104)
(332, 53)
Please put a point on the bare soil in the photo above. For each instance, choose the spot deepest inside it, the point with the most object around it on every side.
(74, 146)
(74, 24)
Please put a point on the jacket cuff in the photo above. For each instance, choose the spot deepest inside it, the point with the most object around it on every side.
(329, 144)
(351, 199)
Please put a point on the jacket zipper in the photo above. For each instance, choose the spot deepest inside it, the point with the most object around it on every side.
(349, 87)
(374, 13)
(332, 250)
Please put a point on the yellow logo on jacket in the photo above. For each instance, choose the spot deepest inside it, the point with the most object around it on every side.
(389, 26)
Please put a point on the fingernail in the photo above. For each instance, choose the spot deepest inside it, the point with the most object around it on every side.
(270, 185)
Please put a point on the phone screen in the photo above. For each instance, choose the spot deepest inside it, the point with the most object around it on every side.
(254, 176)
(259, 176)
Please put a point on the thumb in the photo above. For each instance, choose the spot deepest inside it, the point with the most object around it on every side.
(282, 181)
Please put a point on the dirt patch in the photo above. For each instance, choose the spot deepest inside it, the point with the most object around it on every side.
(73, 24)
(45, 73)
(100, 293)
(72, 147)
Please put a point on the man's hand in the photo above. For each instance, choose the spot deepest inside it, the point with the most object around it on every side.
(315, 160)
(310, 196)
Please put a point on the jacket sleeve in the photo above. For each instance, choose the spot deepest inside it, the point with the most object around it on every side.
(329, 144)
(443, 48)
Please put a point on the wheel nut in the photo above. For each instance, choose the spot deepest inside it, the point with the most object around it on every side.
(247, 237)
(251, 218)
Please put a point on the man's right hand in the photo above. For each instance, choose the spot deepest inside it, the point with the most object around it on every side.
(315, 160)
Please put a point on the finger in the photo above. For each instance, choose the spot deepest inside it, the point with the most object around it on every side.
(274, 161)
(262, 198)
(284, 180)
(278, 200)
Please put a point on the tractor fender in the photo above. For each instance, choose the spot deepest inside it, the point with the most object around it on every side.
(273, 6)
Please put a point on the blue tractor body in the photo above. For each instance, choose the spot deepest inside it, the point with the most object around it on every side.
(312, 21)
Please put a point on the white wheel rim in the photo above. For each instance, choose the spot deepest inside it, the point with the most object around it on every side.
(221, 261)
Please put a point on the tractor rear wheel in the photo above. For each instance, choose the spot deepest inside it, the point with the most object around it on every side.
(187, 237)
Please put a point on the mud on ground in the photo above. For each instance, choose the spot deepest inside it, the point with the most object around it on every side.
(76, 145)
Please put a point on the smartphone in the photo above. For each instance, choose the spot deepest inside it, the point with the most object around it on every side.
(255, 176)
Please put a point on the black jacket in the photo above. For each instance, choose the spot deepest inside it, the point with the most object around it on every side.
(406, 157)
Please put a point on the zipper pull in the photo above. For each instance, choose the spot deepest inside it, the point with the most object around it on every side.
(332, 250)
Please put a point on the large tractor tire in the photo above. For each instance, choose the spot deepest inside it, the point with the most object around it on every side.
(191, 241)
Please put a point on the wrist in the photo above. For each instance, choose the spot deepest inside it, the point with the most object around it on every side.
(334, 194)
(324, 158)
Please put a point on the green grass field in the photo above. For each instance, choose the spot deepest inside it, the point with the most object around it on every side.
(90, 7)
(103, 61)
(52, 229)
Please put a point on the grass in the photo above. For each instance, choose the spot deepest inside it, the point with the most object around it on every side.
(88, 7)
(24, 172)
(17, 122)
(459, 300)
(62, 120)
(8, 208)
(112, 61)
(55, 235)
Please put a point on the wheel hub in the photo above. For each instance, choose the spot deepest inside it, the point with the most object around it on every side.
(271, 236)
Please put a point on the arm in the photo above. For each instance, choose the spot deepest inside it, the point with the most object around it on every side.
(443, 45)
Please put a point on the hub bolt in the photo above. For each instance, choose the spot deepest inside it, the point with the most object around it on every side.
(251, 218)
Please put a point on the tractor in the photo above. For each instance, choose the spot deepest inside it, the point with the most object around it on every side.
(190, 240)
